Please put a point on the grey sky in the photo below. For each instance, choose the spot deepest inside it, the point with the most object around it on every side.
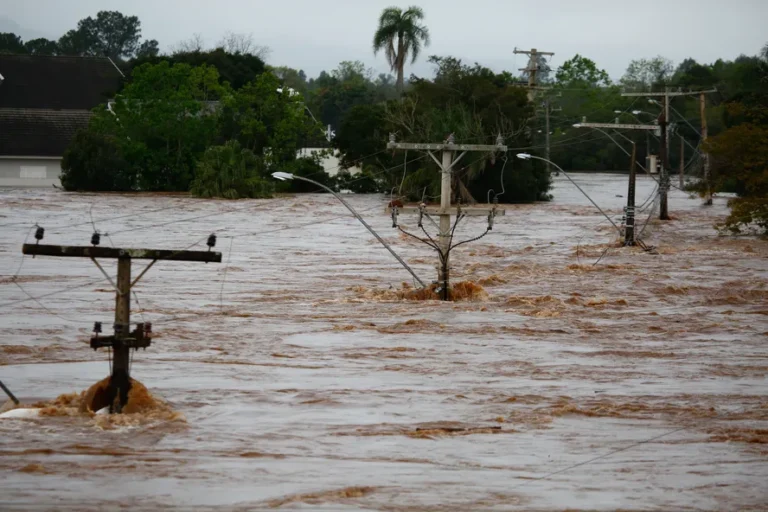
(317, 34)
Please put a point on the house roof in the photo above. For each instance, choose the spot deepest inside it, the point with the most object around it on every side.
(50, 82)
(39, 132)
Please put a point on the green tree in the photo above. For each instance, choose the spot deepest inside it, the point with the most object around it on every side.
(111, 34)
(332, 94)
(581, 72)
(11, 43)
(41, 46)
(400, 34)
(97, 160)
(160, 124)
(269, 123)
(646, 74)
(471, 102)
(236, 69)
(231, 172)
(149, 48)
(740, 162)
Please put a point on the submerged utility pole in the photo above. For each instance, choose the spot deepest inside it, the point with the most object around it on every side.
(629, 227)
(630, 208)
(448, 160)
(664, 150)
(704, 154)
(664, 177)
(123, 340)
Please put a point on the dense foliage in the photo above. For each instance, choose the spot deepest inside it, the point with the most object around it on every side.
(231, 172)
(111, 34)
(166, 119)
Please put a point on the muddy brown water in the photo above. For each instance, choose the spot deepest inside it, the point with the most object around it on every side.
(295, 375)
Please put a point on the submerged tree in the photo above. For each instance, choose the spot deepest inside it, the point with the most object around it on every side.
(400, 35)
(231, 172)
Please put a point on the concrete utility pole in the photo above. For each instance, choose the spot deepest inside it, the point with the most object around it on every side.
(123, 340)
(629, 233)
(532, 69)
(664, 177)
(664, 151)
(629, 223)
(448, 161)
(704, 154)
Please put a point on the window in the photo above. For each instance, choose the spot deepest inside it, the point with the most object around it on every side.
(36, 172)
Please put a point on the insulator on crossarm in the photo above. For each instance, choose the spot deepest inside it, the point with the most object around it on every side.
(211, 241)
(95, 239)
(97, 327)
(39, 233)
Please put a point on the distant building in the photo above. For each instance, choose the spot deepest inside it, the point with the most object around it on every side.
(44, 100)
(331, 163)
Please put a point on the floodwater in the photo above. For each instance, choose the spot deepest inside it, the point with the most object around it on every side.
(292, 376)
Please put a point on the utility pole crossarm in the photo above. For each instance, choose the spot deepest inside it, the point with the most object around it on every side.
(615, 126)
(124, 339)
(447, 147)
(433, 210)
(528, 52)
(115, 253)
(671, 93)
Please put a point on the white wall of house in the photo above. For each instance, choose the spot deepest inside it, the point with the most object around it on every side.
(329, 163)
(29, 171)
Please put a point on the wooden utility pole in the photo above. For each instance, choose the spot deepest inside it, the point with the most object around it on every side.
(532, 69)
(704, 154)
(449, 148)
(123, 340)
(629, 226)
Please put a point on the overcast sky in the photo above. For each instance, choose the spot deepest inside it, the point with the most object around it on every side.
(317, 34)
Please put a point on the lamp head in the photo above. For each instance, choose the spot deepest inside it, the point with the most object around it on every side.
(282, 176)
(523, 156)
(636, 112)
(577, 125)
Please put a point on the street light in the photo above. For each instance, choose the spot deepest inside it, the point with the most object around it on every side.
(528, 156)
(286, 176)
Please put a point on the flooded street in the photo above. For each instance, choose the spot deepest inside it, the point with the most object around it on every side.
(292, 377)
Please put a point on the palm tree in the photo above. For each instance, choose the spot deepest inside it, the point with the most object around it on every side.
(400, 35)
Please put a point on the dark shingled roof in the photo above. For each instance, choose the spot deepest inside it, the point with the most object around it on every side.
(39, 132)
(39, 81)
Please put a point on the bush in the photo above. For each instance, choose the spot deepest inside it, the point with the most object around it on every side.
(365, 182)
(231, 172)
(747, 214)
(95, 162)
(308, 167)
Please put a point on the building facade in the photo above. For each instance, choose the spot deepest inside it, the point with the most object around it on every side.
(44, 101)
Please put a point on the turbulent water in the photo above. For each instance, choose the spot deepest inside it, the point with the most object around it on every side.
(296, 374)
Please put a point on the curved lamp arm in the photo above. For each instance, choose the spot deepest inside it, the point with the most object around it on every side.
(283, 176)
